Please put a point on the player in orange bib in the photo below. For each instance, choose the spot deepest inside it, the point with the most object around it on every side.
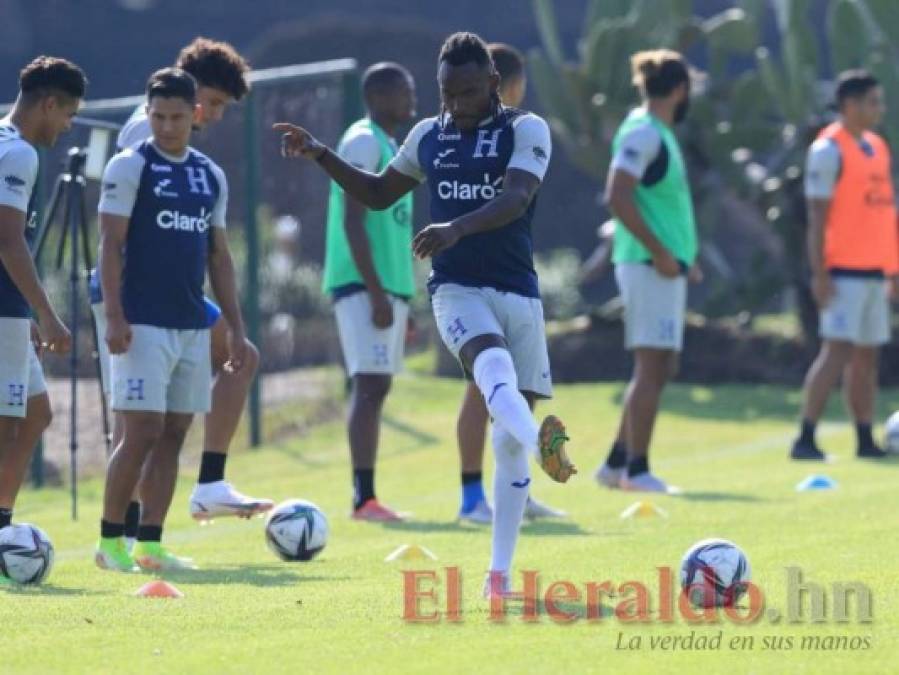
(853, 250)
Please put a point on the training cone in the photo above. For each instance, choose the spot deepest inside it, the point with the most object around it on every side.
(158, 589)
(816, 482)
(410, 552)
(643, 510)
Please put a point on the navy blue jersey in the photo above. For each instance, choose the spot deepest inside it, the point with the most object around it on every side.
(18, 173)
(173, 205)
(464, 171)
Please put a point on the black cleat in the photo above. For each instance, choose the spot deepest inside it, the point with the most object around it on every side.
(807, 452)
(871, 452)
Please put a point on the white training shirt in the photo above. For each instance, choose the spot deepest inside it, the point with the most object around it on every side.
(360, 147)
(531, 152)
(18, 168)
(638, 148)
(121, 181)
(822, 169)
(136, 129)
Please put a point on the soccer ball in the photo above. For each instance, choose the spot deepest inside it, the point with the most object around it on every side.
(714, 573)
(296, 530)
(26, 554)
(891, 433)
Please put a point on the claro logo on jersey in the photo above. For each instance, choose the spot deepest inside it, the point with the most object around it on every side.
(175, 220)
(453, 189)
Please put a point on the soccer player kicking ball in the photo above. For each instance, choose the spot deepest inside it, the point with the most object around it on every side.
(221, 75)
(471, 427)
(162, 209)
(50, 91)
(852, 248)
(368, 272)
(655, 246)
(483, 164)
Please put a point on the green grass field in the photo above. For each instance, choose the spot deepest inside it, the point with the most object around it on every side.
(245, 611)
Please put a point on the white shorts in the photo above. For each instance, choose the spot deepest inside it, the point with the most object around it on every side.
(464, 312)
(102, 348)
(858, 312)
(164, 370)
(654, 307)
(367, 349)
(21, 375)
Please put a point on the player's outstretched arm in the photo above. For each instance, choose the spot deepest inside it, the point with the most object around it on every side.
(113, 233)
(16, 258)
(519, 188)
(620, 199)
(224, 287)
(375, 191)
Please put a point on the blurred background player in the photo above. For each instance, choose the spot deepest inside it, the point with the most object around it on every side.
(368, 273)
(50, 91)
(160, 199)
(471, 427)
(655, 247)
(483, 285)
(221, 75)
(852, 248)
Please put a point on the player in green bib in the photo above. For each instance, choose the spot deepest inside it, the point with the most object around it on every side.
(654, 251)
(368, 273)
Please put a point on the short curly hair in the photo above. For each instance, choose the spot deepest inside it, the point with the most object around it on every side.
(216, 64)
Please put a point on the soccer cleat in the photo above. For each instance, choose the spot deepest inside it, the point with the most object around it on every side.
(497, 583)
(551, 443)
(211, 500)
(645, 482)
(606, 475)
(807, 452)
(151, 556)
(373, 511)
(871, 452)
(111, 554)
(480, 513)
(534, 510)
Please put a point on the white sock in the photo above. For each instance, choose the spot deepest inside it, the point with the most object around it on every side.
(510, 492)
(494, 373)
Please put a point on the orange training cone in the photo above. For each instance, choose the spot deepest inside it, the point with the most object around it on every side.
(158, 589)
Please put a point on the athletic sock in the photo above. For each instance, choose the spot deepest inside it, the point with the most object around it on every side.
(132, 520)
(494, 373)
(637, 466)
(150, 533)
(363, 486)
(617, 458)
(110, 530)
(5, 517)
(807, 432)
(864, 435)
(472, 490)
(212, 466)
(510, 493)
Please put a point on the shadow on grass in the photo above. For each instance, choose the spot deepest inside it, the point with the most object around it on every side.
(53, 591)
(423, 437)
(287, 574)
(554, 528)
(432, 526)
(718, 497)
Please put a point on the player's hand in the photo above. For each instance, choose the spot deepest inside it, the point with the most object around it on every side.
(435, 238)
(297, 142)
(118, 334)
(822, 289)
(695, 275)
(36, 341)
(381, 310)
(665, 264)
(53, 333)
(237, 351)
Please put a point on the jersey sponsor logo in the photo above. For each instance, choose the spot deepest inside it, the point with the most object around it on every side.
(539, 153)
(15, 395)
(401, 214)
(13, 181)
(487, 141)
(162, 188)
(458, 190)
(160, 168)
(631, 154)
(198, 180)
(440, 164)
(175, 220)
(450, 137)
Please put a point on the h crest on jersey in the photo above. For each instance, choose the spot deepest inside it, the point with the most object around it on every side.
(488, 140)
(198, 180)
